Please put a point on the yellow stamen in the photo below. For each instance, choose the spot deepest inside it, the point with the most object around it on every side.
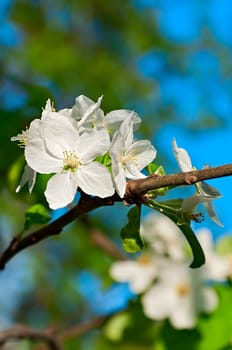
(71, 161)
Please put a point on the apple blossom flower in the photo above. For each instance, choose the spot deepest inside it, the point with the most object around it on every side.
(204, 193)
(179, 295)
(56, 147)
(139, 274)
(128, 158)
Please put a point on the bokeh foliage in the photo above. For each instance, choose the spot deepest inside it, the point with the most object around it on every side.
(63, 49)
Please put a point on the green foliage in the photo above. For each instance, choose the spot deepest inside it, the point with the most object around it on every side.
(36, 214)
(130, 233)
(216, 330)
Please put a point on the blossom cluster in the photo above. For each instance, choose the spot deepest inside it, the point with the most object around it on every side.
(168, 288)
(84, 149)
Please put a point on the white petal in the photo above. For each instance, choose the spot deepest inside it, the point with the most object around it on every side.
(36, 155)
(61, 189)
(158, 301)
(183, 316)
(82, 104)
(114, 119)
(94, 179)
(208, 190)
(132, 172)
(212, 214)
(144, 152)
(29, 175)
(209, 300)
(92, 114)
(119, 177)
(182, 157)
(117, 146)
(47, 110)
(93, 143)
(60, 135)
(138, 275)
(126, 130)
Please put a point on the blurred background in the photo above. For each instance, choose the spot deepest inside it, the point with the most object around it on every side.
(170, 61)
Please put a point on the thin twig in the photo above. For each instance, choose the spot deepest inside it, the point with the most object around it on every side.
(81, 328)
(107, 245)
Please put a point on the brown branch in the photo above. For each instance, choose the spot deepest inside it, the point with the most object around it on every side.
(85, 205)
(81, 328)
(141, 186)
(101, 241)
(135, 188)
(53, 339)
(22, 332)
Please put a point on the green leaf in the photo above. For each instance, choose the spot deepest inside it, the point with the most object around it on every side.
(37, 214)
(152, 168)
(216, 330)
(130, 233)
(184, 226)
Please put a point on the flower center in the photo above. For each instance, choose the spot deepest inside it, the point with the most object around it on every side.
(21, 138)
(144, 259)
(130, 157)
(71, 161)
(182, 289)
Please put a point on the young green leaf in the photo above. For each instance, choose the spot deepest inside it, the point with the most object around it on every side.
(130, 233)
(37, 214)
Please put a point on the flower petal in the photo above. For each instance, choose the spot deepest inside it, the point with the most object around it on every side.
(29, 175)
(182, 157)
(61, 190)
(60, 135)
(93, 143)
(36, 155)
(158, 301)
(94, 179)
(114, 119)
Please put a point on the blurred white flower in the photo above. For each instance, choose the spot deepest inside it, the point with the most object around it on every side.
(139, 274)
(163, 236)
(179, 295)
(217, 267)
(128, 157)
(204, 193)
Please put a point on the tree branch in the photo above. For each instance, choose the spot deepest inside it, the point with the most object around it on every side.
(135, 188)
(81, 328)
(141, 186)
(85, 205)
(22, 332)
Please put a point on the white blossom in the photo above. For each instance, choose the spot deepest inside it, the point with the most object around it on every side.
(89, 114)
(204, 193)
(128, 157)
(139, 274)
(57, 147)
(163, 236)
(179, 295)
(217, 267)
